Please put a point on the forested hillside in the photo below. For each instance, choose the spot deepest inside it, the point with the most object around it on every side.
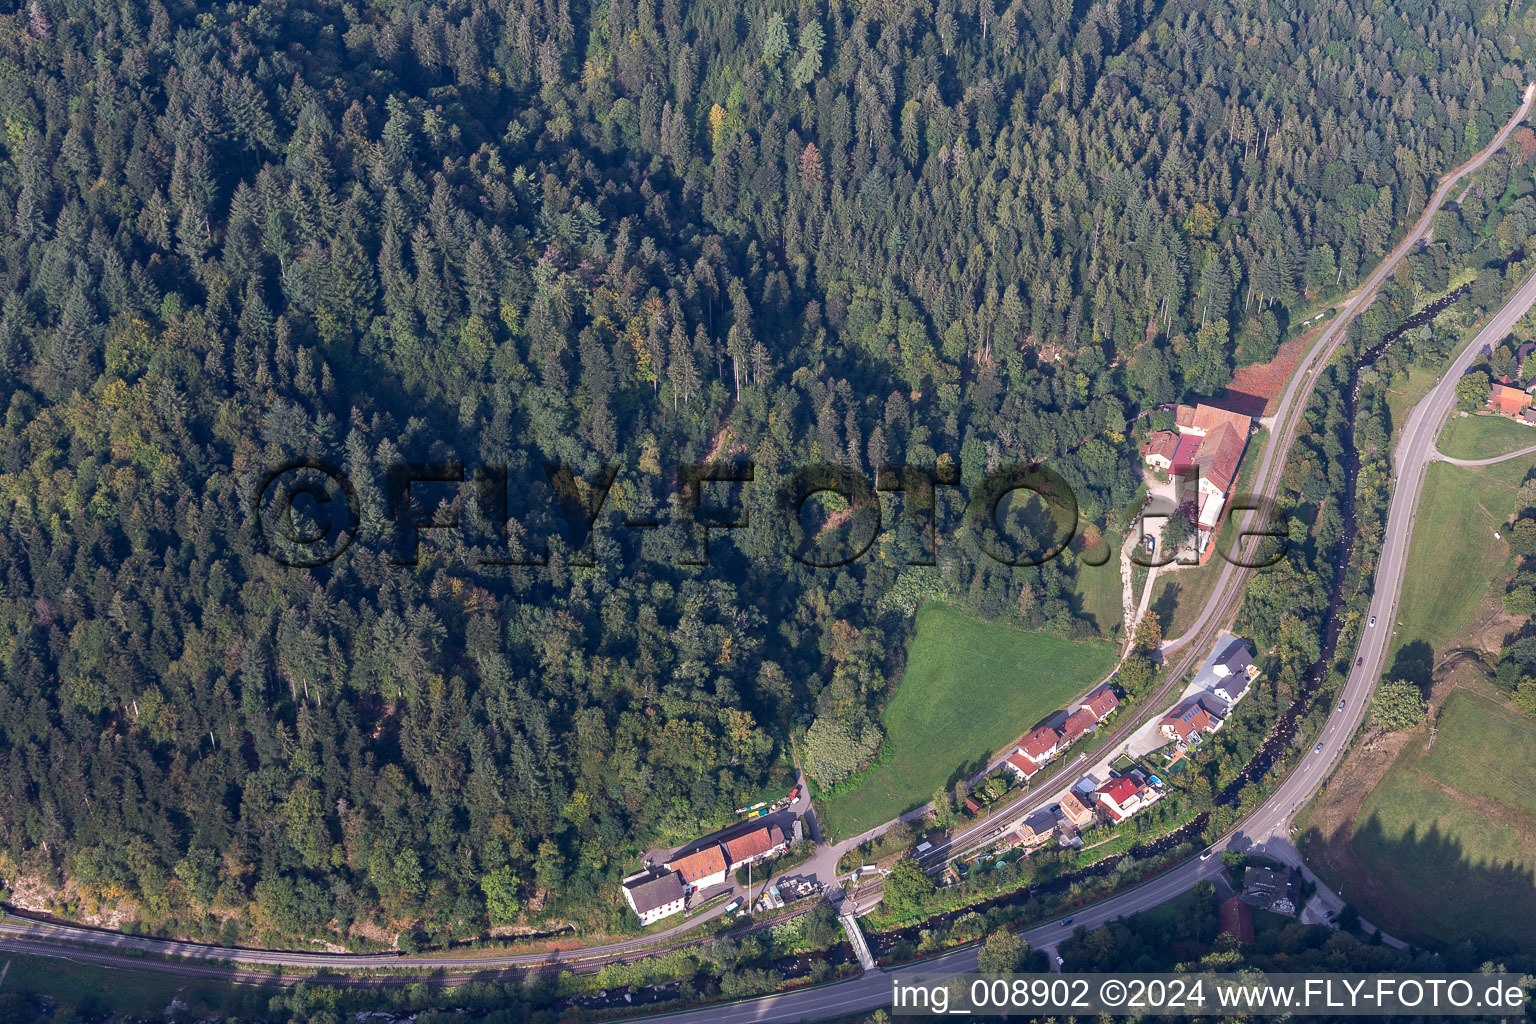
(507, 231)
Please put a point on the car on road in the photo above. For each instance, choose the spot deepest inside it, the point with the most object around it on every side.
(1066, 921)
(1373, 620)
(1317, 749)
(1207, 854)
(1060, 962)
(1359, 662)
(1341, 705)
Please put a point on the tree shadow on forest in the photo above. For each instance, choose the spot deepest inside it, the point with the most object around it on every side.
(1166, 604)
(1414, 662)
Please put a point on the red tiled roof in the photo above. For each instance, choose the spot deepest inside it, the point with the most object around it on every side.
(1219, 456)
(1025, 766)
(700, 864)
(1078, 722)
(1039, 744)
(1237, 919)
(1119, 790)
(1184, 454)
(1508, 399)
(1188, 718)
(1115, 794)
(1101, 702)
(1206, 418)
(1161, 442)
(754, 844)
(1075, 810)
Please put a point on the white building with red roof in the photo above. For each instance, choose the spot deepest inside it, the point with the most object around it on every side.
(1038, 748)
(1206, 451)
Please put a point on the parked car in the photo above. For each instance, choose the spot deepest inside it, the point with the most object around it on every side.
(1149, 541)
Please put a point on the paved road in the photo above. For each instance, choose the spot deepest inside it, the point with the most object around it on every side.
(1272, 819)
(1486, 462)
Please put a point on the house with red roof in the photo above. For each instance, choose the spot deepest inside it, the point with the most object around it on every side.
(1102, 703)
(1041, 745)
(1120, 798)
(1159, 449)
(1022, 766)
(1236, 919)
(702, 868)
(1078, 724)
(1206, 452)
(1187, 721)
(1031, 755)
(1075, 811)
(754, 846)
(1507, 397)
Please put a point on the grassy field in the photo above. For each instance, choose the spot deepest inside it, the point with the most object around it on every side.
(1483, 437)
(1098, 589)
(1450, 832)
(970, 688)
(1404, 394)
(1454, 558)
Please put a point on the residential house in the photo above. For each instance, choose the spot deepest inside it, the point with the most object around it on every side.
(701, 869)
(1159, 450)
(1227, 671)
(1041, 745)
(1187, 721)
(1203, 420)
(1276, 891)
(1237, 919)
(1078, 724)
(1075, 811)
(654, 895)
(1102, 702)
(972, 806)
(1037, 828)
(1209, 447)
(1031, 755)
(1507, 397)
(754, 846)
(1120, 798)
(1022, 766)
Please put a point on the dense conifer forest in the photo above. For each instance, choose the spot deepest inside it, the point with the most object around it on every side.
(628, 234)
